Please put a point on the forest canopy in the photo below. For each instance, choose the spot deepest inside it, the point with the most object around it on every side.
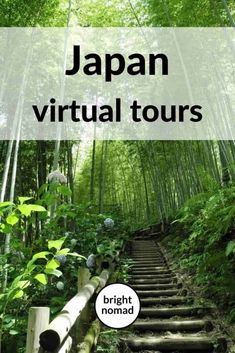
(63, 201)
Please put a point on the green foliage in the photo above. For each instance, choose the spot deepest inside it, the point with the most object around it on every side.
(111, 13)
(22, 13)
(202, 238)
(11, 213)
(123, 270)
(108, 341)
(109, 247)
(37, 271)
(189, 13)
(230, 249)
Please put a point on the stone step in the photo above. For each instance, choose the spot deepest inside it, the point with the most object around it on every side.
(150, 286)
(157, 278)
(173, 325)
(147, 258)
(149, 263)
(166, 301)
(137, 267)
(153, 280)
(171, 311)
(158, 293)
(179, 343)
(155, 275)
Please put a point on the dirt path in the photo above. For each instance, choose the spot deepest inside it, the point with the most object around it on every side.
(169, 320)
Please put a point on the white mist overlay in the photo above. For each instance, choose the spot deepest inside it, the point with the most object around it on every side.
(201, 72)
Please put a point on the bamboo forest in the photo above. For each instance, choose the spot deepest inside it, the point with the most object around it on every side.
(77, 215)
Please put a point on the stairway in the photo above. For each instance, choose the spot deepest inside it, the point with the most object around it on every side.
(169, 321)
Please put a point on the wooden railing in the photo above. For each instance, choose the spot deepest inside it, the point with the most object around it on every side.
(55, 336)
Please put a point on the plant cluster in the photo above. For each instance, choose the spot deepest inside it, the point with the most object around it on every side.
(203, 238)
(43, 273)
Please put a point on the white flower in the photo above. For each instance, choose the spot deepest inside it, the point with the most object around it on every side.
(61, 258)
(73, 242)
(109, 223)
(60, 285)
(57, 176)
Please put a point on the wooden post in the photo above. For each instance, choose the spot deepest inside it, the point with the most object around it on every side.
(38, 321)
(83, 277)
(82, 322)
(90, 339)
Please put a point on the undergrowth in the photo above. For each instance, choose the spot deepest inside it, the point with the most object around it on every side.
(202, 239)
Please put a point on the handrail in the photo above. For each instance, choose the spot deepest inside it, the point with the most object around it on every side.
(44, 336)
(57, 331)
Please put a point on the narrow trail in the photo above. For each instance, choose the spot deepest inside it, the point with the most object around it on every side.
(169, 320)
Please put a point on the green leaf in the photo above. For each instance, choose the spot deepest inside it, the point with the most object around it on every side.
(6, 204)
(64, 251)
(23, 284)
(55, 272)
(56, 244)
(64, 190)
(24, 199)
(19, 294)
(36, 208)
(13, 332)
(52, 265)
(30, 267)
(41, 255)
(25, 210)
(42, 278)
(42, 189)
(5, 228)
(230, 248)
(76, 255)
(12, 219)
(16, 281)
